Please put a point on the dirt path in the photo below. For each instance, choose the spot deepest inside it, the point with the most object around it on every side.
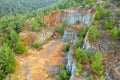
(40, 64)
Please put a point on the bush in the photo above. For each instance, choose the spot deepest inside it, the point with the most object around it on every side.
(109, 24)
(97, 63)
(60, 30)
(66, 47)
(114, 34)
(19, 47)
(101, 13)
(64, 75)
(82, 55)
(79, 69)
(84, 74)
(93, 34)
(82, 32)
(7, 61)
(79, 43)
(35, 26)
(91, 77)
(102, 78)
(36, 44)
(107, 3)
(118, 13)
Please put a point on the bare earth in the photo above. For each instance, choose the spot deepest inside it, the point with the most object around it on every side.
(40, 64)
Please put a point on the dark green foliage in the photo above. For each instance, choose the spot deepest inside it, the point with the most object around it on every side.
(66, 47)
(93, 34)
(64, 75)
(90, 2)
(107, 3)
(101, 13)
(7, 61)
(109, 24)
(19, 47)
(91, 77)
(97, 63)
(36, 44)
(118, 13)
(79, 68)
(79, 43)
(14, 7)
(115, 33)
(82, 32)
(35, 26)
(102, 78)
(82, 55)
(11, 38)
(60, 30)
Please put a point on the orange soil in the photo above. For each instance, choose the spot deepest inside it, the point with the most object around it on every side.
(40, 62)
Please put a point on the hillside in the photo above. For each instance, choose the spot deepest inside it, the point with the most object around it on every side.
(13, 7)
(65, 40)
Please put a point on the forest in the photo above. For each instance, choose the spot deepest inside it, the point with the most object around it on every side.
(16, 14)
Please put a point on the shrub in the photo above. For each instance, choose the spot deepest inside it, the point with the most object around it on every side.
(79, 69)
(60, 30)
(79, 43)
(82, 55)
(109, 24)
(97, 63)
(107, 3)
(84, 74)
(114, 34)
(93, 34)
(82, 32)
(35, 26)
(7, 61)
(102, 78)
(36, 44)
(66, 47)
(91, 77)
(118, 13)
(19, 47)
(64, 75)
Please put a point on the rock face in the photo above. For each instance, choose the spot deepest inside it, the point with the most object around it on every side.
(83, 15)
(29, 37)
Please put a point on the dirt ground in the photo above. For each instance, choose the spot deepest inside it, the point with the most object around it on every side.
(43, 64)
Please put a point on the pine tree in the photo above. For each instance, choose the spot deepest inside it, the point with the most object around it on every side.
(19, 47)
(7, 61)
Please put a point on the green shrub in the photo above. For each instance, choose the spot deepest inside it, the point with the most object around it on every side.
(93, 33)
(102, 78)
(7, 61)
(107, 3)
(19, 47)
(60, 30)
(82, 55)
(36, 44)
(66, 47)
(64, 75)
(84, 74)
(97, 63)
(114, 34)
(79, 69)
(91, 77)
(101, 13)
(118, 13)
(79, 43)
(35, 26)
(109, 24)
(82, 32)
